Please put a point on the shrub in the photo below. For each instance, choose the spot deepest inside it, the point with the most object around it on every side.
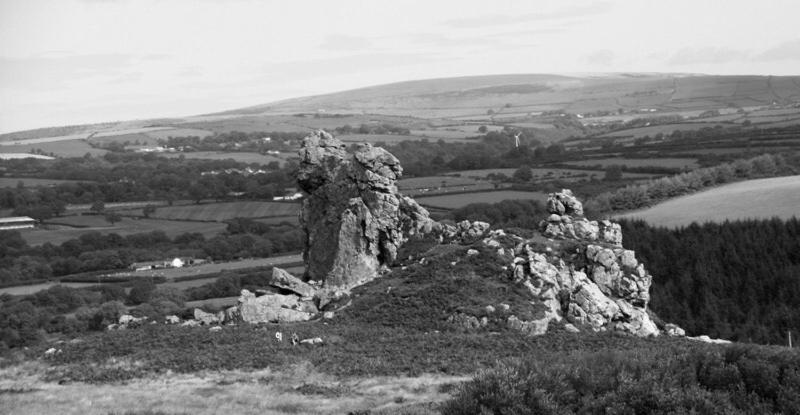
(141, 291)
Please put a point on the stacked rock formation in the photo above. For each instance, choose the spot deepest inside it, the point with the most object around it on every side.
(353, 216)
(602, 286)
(566, 221)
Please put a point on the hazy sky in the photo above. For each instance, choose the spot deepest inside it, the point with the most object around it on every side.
(78, 61)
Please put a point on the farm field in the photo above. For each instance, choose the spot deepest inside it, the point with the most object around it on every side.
(456, 201)
(546, 174)
(131, 138)
(57, 234)
(242, 157)
(434, 182)
(751, 199)
(171, 273)
(275, 220)
(178, 132)
(68, 148)
(32, 288)
(656, 129)
(674, 163)
(28, 182)
(217, 212)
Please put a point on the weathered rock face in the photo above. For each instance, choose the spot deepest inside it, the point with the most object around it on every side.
(566, 221)
(272, 308)
(609, 291)
(353, 216)
(286, 281)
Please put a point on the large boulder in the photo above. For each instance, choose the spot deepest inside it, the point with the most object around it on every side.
(284, 280)
(353, 216)
(272, 308)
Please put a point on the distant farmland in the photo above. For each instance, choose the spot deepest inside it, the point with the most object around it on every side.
(217, 212)
(752, 199)
(674, 163)
(242, 157)
(70, 227)
(28, 182)
(460, 200)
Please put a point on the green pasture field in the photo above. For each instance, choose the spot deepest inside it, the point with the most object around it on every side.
(217, 212)
(545, 174)
(57, 234)
(276, 220)
(435, 182)
(178, 132)
(537, 172)
(66, 148)
(665, 129)
(132, 138)
(456, 201)
(242, 157)
(28, 182)
(673, 163)
(751, 199)
(449, 133)
(246, 124)
(211, 269)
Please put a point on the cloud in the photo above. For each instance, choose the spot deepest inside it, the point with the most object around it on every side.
(591, 9)
(364, 62)
(785, 51)
(346, 42)
(714, 55)
(58, 71)
(603, 57)
(130, 77)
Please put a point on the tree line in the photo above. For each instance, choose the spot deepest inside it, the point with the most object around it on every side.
(642, 195)
(94, 251)
(732, 280)
(134, 177)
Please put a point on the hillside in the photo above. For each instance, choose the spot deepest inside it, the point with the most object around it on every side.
(458, 97)
(751, 199)
(552, 107)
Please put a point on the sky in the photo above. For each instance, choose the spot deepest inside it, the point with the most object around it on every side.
(66, 62)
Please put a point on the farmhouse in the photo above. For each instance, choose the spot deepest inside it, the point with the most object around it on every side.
(17, 222)
(166, 263)
(294, 196)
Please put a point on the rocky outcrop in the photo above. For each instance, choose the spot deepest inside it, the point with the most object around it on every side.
(284, 280)
(353, 216)
(273, 308)
(566, 221)
(601, 286)
(464, 232)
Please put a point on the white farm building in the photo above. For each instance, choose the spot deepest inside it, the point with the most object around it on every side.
(17, 222)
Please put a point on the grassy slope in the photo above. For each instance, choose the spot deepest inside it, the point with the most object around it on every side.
(223, 211)
(762, 198)
(396, 325)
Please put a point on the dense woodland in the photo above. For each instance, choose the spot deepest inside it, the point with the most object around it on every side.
(734, 280)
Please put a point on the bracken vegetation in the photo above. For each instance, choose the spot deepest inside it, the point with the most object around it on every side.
(663, 380)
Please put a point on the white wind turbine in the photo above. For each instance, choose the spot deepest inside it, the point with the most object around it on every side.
(516, 139)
